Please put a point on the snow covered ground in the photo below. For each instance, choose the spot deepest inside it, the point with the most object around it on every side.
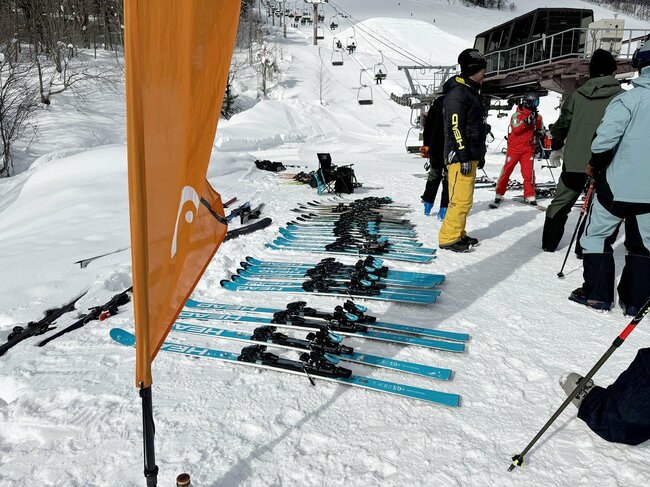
(69, 414)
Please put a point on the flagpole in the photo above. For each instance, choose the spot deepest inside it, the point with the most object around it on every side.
(148, 434)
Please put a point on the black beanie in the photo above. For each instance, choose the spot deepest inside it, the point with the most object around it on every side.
(602, 63)
(471, 62)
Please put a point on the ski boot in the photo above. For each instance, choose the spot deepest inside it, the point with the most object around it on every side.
(570, 381)
(497, 202)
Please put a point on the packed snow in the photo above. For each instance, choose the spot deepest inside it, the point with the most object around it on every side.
(69, 412)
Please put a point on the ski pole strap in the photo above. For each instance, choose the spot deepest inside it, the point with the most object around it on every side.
(219, 218)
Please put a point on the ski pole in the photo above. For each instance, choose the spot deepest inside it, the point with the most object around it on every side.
(518, 460)
(585, 205)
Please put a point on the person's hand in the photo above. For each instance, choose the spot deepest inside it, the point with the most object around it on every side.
(424, 151)
(465, 168)
(481, 164)
(589, 169)
(555, 160)
(441, 213)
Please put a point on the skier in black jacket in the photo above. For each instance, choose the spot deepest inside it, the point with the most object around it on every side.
(434, 144)
(465, 133)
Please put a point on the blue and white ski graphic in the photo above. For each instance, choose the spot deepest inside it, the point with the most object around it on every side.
(123, 337)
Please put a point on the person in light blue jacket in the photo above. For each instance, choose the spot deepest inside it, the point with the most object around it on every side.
(620, 165)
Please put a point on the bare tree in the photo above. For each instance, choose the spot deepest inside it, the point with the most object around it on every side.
(322, 79)
(17, 103)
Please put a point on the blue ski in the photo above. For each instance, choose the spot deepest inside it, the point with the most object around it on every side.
(379, 325)
(388, 291)
(304, 345)
(342, 291)
(315, 326)
(422, 259)
(123, 337)
(297, 272)
(405, 275)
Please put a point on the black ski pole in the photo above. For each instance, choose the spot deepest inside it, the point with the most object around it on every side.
(583, 210)
(518, 460)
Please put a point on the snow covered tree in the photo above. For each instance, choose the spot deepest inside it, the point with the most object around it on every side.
(17, 102)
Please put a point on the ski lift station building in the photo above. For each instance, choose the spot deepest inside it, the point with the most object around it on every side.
(549, 49)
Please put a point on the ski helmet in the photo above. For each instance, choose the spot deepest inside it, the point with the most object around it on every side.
(530, 101)
(641, 57)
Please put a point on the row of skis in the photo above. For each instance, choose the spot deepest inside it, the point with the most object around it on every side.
(374, 230)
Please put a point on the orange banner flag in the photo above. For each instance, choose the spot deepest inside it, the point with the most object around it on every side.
(177, 62)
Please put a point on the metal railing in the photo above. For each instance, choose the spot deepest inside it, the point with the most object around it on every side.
(571, 43)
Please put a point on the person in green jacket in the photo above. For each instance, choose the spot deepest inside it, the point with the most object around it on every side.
(572, 134)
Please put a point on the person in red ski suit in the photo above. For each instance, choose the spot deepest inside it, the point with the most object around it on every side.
(525, 124)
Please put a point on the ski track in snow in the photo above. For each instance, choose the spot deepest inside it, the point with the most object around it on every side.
(69, 414)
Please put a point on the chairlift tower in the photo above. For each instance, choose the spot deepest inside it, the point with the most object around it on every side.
(315, 4)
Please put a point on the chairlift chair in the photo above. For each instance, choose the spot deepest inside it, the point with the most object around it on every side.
(337, 58)
(337, 45)
(351, 43)
(380, 69)
(320, 33)
(364, 93)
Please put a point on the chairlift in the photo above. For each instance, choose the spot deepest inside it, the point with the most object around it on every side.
(364, 93)
(337, 45)
(334, 23)
(380, 69)
(320, 33)
(351, 44)
(412, 143)
(337, 58)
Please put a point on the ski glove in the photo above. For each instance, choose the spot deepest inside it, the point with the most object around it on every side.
(465, 168)
(441, 213)
(555, 160)
(481, 164)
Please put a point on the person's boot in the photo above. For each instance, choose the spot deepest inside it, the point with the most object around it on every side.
(578, 296)
(597, 291)
(634, 286)
(470, 240)
(458, 246)
(427, 208)
(570, 381)
(530, 201)
(497, 202)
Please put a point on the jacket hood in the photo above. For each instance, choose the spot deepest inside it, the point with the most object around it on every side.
(602, 87)
(644, 78)
(458, 80)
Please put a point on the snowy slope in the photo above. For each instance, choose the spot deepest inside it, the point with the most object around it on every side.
(69, 414)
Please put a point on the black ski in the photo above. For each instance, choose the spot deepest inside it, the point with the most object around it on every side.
(38, 327)
(253, 227)
(96, 313)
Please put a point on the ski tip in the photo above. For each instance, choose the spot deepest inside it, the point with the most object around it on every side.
(223, 282)
(122, 336)
(237, 278)
(245, 265)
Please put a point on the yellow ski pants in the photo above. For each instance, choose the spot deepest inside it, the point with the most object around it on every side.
(461, 198)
